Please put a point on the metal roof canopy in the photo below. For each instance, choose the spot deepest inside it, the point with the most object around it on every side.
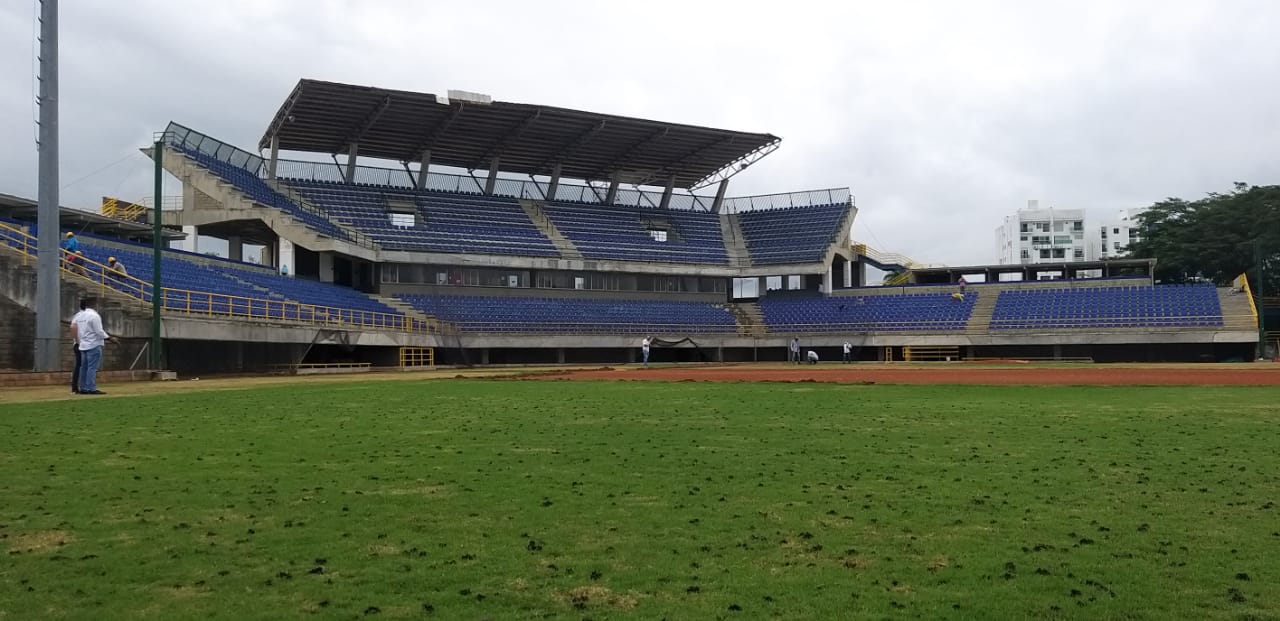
(24, 210)
(329, 117)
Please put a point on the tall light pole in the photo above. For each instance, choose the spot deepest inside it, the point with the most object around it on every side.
(48, 316)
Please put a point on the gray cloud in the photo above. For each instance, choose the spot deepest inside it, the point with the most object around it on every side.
(941, 118)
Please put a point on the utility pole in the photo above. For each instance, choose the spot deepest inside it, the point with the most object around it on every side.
(1262, 310)
(157, 244)
(48, 356)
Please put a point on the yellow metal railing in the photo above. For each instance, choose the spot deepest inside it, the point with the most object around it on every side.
(1242, 283)
(104, 280)
(925, 353)
(417, 357)
(122, 209)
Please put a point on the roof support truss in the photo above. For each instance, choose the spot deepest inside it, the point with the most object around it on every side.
(494, 150)
(630, 152)
(737, 165)
(353, 136)
(429, 139)
(569, 148)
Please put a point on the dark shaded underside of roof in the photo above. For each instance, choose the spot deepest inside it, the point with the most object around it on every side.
(328, 117)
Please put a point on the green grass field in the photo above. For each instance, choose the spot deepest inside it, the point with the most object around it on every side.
(473, 499)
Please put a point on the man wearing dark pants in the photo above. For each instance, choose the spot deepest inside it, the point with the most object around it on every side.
(92, 337)
(75, 349)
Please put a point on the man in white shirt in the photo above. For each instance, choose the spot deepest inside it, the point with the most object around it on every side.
(644, 349)
(75, 349)
(848, 351)
(795, 350)
(812, 356)
(88, 330)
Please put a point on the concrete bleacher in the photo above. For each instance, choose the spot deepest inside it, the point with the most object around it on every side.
(444, 221)
(556, 315)
(620, 232)
(202, 284)
(931, 310)
(1110, 307)
(251, 185)
(793, 234)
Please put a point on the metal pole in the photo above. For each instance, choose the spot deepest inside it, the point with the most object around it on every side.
(48, 315)
(1262, 311)
(157, 243)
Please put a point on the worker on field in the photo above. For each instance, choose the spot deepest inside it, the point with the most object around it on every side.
(71, 244)
(847, 352)
(795, 350)
(812, 356)
(644, 349)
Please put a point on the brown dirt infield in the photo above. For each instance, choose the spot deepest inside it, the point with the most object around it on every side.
(1101, 375)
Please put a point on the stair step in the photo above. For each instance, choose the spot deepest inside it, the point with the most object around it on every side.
(544, 224)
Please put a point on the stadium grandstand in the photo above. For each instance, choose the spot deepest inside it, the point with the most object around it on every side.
(492, 232)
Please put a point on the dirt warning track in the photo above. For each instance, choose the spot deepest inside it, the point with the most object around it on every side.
(1101, 375)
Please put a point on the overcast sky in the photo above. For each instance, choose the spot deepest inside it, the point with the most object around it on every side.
(943, 117)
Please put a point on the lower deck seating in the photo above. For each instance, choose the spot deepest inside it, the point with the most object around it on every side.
(1147, 306)
(575, 315)
(869, 313)
(200, 284)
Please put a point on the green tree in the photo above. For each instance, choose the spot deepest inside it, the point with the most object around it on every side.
(1215, 237)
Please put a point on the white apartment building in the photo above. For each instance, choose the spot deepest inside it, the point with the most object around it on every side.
(1035, 235)
(1116, 233)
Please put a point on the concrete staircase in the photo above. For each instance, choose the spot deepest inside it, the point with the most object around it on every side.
(408, 309)
(735, 245)
(547, 227)
(983, 309)
(750, 318)
(227, 202)
(269, 293)
(1237, 315)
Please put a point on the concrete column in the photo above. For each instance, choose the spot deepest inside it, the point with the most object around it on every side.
(848, 274)
(826, 281)
(268, 256)
(719, 200)
(666, 192)
(493, 177)
(424, 169)
(555, 182)
(192, 242)
(326, 267)
(239, 355)
(284, 257)
(350, 173)
(720, 354)
(560, 356)
(1057, 352)
(275, 157)
(484, 356)
(613, 191)
(235, 248)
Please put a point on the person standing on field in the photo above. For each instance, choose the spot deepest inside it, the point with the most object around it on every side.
(644, 349)
(848, 352)
(795, 350)
(75, 349)
(88, 330)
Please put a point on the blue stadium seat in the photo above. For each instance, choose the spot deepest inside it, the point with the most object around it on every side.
(934, 311)
(575, 315)
(793, 234)
(1146, 306)
(445, 221)
(619, 232)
